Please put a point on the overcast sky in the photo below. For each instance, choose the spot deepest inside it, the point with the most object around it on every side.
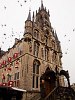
(13, 14)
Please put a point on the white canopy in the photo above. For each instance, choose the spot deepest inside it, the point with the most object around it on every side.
(18, 89)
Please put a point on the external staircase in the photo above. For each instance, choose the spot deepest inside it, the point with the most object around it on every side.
(58, 93)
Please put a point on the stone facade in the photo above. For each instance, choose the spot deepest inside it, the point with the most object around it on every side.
(23, 64)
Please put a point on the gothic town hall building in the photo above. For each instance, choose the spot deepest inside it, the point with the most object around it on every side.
(24, 65)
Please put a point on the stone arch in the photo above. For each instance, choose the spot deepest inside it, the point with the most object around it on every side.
(47, 82)
(48, 67)
(35, 60)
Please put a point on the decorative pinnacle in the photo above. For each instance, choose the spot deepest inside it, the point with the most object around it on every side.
(29, 15)
(42, 4)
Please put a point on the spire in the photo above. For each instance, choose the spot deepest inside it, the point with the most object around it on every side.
(42, 7)
(29, 15)
(33, 17)
(56, 35)
(48, 12)
(33, 14)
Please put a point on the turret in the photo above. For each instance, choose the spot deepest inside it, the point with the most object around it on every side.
(33, 17)
(28, 27)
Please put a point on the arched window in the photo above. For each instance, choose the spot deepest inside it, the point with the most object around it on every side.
(36, 49)
(36, 34)
(46, 54)
(36, 65)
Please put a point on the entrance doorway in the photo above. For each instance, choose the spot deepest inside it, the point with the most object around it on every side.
(47, 82)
